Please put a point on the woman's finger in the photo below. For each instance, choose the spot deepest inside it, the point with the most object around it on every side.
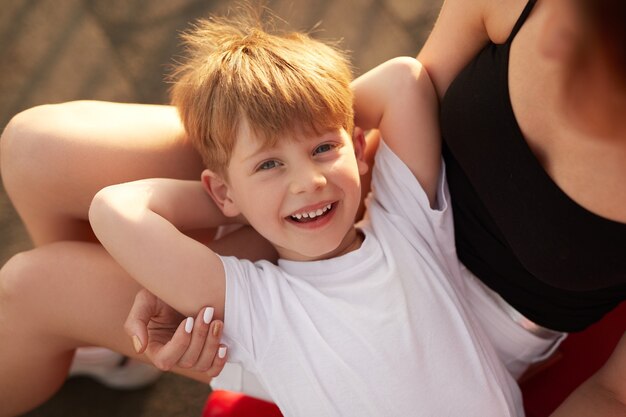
(210, 360)
(218, 361)
(136, 326)
(198, 337)
(166, 356)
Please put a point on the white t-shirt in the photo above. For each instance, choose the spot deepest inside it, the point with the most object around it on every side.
(381, 331)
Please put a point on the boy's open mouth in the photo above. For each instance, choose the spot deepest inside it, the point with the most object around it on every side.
(310, 216)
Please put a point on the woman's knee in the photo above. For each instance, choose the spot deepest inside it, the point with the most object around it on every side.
(19, 277)
(27, 145)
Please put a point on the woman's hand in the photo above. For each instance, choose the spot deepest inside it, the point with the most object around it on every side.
(169, 339)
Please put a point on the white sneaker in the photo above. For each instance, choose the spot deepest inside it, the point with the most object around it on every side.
(112, 369)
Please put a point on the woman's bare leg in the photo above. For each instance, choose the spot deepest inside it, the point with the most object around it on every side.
(53, 299)
(55, 157)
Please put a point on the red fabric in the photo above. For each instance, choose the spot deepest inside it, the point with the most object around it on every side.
(579, 356)
(235, 404)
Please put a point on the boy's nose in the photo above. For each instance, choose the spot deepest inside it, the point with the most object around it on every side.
(306, 179)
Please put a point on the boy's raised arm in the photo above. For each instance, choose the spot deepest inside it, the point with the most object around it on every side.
(398, 98)
(140, 223)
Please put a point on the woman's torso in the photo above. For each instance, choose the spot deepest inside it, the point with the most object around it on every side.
(538, 202)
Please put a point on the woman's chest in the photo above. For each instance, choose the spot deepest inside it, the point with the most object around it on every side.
(590, 168)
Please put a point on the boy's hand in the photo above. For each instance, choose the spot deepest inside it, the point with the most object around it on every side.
(169, 339)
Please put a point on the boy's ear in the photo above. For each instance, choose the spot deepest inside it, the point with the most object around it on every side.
(219, 190)
(358, 139)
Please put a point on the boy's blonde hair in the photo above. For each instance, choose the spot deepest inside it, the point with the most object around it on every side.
(282, 83)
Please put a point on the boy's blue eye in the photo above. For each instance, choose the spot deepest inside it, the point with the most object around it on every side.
(325, 147)
(268, 165)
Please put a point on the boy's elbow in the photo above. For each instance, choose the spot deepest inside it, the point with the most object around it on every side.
(118, 207)
(406, 68)
(409, 75)
(108, 204)
(406, 63)
(98, 209)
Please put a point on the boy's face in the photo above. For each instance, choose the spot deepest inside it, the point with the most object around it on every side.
(302, 195)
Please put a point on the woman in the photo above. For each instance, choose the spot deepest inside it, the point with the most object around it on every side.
(533, 98)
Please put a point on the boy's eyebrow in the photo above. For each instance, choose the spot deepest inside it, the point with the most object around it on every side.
(255, 153)
(265, 147)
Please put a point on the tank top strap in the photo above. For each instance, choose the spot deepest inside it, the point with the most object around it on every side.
(521, 20)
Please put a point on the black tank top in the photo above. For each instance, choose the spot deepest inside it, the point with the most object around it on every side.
(557, 263)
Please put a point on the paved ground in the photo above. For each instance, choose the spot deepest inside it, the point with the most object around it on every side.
(59, 50)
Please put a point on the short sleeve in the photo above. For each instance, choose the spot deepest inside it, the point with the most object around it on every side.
(401, 197)
(250, 288)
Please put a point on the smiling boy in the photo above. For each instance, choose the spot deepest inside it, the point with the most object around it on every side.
(301, 194)
(364, 320)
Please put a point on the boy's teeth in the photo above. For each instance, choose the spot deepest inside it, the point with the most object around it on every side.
(312, 214)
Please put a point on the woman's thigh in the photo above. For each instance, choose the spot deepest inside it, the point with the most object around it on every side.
(56, 157)
(54, 299)
(70, 294)
(64, 295)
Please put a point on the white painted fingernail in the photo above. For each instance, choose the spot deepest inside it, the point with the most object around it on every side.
(208, 315)
(189, 324)
(221, 352)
